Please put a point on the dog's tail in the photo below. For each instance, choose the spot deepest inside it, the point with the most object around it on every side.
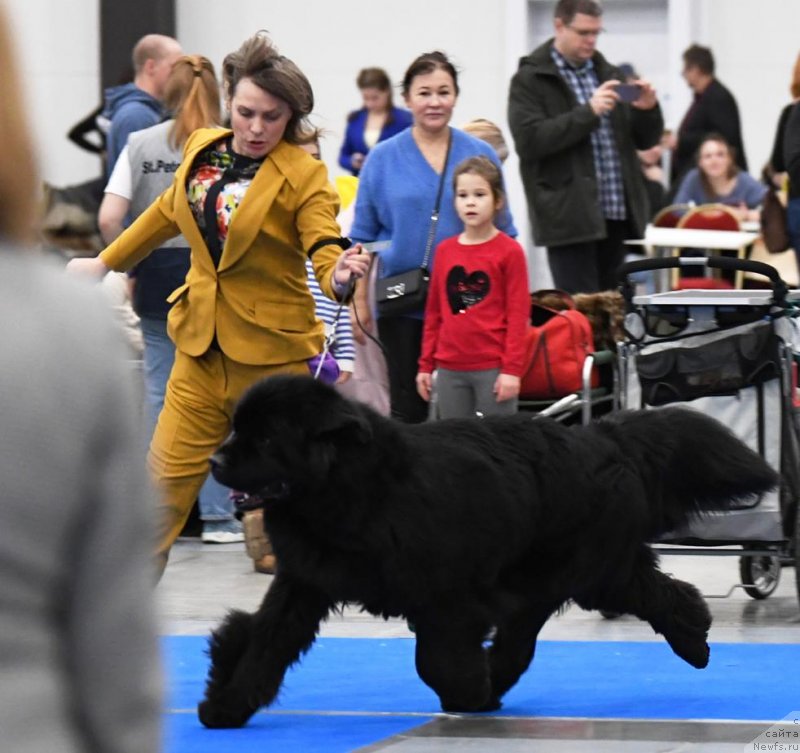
(689, 462)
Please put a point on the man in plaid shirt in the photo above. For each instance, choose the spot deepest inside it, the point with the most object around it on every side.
(577, 139)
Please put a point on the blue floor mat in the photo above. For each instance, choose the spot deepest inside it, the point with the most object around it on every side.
(312, 733)
(349, 692)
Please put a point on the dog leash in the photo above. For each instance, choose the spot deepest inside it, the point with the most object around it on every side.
(330, 336)
(373, 247)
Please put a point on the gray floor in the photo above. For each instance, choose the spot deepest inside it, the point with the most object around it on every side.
(203, 581)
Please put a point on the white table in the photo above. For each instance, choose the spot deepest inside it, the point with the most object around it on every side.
(661, 241)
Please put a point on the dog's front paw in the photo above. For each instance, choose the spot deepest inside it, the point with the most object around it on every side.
(215, 715)
(456, 707)
(691, 650)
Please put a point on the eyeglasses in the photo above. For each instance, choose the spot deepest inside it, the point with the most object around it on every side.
(586, 33)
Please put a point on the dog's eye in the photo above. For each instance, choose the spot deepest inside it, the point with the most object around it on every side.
(264, 443)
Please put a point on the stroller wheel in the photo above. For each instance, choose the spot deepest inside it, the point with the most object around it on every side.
(760, 575)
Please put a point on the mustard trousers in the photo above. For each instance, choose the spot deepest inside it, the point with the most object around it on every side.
(198, 408)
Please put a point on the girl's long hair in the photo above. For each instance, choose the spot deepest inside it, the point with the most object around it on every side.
(192, 94)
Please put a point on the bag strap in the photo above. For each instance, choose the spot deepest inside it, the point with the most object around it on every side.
(435, 213)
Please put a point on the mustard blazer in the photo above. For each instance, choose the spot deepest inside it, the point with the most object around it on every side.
(257, 301)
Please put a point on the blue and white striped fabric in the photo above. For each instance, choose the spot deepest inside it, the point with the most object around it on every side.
(343, 348)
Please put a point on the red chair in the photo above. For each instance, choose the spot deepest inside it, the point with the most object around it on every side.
(708, 217)
(670, 215)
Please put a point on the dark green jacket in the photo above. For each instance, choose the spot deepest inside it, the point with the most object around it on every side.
(552, 137)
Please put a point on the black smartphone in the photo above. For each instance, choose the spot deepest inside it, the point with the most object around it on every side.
(628, 92)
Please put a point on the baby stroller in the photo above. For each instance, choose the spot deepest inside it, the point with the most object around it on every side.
(729, 354)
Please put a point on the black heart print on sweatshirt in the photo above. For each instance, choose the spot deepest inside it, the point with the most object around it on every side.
(465, 290)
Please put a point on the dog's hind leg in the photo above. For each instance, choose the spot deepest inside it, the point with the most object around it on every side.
(514, 645)
(251, 653)
(451, 659)
(674, 608)
(679, 612)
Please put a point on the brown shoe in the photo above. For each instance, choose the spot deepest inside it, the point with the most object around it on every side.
(257, 543)
(255, 537)
(265, 565)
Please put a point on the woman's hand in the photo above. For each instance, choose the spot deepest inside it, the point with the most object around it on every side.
(424, 385)
(93, 268)
(360, 319)
(746, 214)
(506, 387)
(670, 141)
(354, 262)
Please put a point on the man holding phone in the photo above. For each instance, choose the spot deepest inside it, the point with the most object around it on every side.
(576, 128)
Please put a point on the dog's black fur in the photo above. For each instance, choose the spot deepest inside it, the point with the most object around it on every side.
(462, 526)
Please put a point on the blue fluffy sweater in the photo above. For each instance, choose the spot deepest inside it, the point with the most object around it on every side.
(396, 195)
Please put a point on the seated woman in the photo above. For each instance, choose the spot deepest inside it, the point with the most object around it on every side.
(718, 179)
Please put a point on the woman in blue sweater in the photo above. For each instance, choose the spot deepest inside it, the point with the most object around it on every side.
(376, 121)
(396, 196)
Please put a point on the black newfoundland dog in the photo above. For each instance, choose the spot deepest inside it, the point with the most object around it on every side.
(462, 526)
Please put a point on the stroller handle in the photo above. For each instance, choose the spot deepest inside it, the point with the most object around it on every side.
(779, 287)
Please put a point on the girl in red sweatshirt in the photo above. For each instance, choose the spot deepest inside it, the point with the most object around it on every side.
(478, 305)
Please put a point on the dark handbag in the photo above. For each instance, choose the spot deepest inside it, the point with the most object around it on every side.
(407, 292)
(404, 293)
(773, 223)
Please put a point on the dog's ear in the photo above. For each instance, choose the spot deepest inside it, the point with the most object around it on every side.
(345, 419)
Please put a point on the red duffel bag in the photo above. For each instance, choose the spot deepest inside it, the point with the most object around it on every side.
(558, 342)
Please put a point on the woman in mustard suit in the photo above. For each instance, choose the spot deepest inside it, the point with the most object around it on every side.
(252, 206)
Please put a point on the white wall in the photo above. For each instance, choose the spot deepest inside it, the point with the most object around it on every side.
(58, 47)
(755, 43)
(336, 39)
(755, 46)
(332, 41)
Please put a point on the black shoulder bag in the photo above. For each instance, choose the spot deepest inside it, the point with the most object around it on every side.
(406, 293)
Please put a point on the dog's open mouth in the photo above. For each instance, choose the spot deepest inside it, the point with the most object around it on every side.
(274, 491)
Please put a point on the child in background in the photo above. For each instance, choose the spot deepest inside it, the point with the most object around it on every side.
(490, 132)
(340, 329)
(478, 305)
(343, 348)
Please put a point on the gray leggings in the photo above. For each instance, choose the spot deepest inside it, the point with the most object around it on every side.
(460, 394)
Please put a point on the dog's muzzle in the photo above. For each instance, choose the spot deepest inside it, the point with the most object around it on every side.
(275, 491)
(218, 467)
